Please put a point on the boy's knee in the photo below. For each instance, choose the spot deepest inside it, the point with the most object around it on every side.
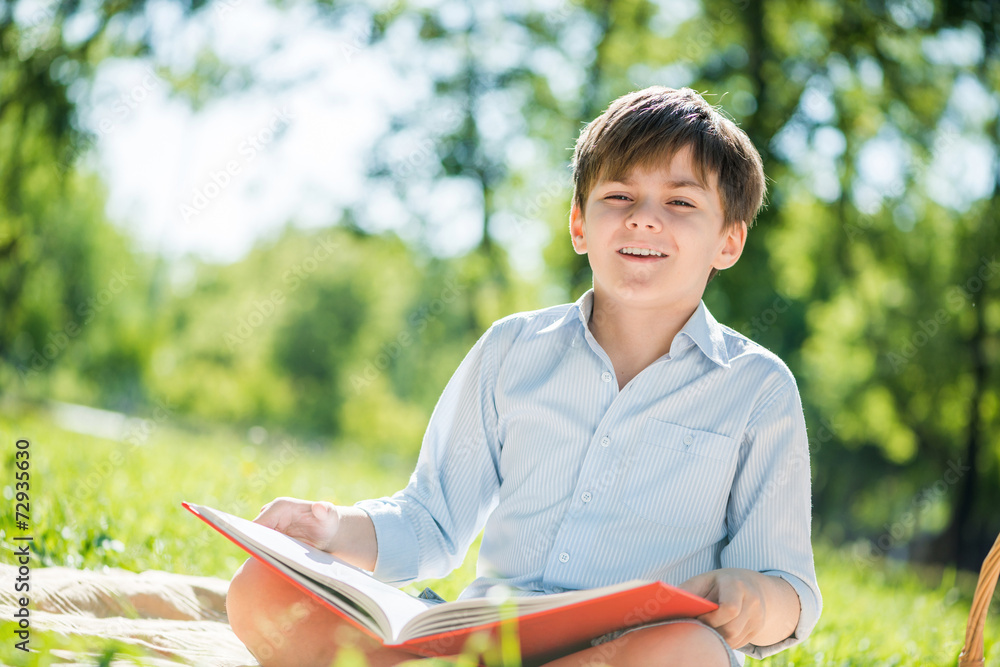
(264, 610)
(677, 644)
(284, 627)
(246, 603)
(239, 597)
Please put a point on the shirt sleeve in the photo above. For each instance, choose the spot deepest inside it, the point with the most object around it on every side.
(770, 508)
(426, 529)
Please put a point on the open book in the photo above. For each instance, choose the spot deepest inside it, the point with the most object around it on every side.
(546, 625)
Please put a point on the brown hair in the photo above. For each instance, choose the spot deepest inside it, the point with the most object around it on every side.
(646, 127)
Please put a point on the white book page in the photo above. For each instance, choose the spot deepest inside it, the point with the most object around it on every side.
(479, 611)
(348, 606)
(390, 607)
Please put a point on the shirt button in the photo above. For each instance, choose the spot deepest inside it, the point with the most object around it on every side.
(688, 439)
(563, 557)
(605, 441)
(585, 497)
(606, 376)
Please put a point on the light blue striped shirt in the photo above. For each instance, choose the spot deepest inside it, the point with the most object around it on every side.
(700, 462)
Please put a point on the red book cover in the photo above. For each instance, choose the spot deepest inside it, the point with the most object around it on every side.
(557, 631)
(546, 626)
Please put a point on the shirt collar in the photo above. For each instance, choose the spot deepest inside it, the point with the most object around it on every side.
(577, 312)
(706, 333)
(701, 328)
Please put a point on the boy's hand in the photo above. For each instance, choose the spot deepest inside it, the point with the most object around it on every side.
(315, 523)
(754, 608)
(346, 532)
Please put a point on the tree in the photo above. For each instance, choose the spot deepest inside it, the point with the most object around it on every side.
(59, 255)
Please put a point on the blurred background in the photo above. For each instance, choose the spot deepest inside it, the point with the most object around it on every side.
(296, 217)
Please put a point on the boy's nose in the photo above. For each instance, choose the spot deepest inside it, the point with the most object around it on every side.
(643, 217)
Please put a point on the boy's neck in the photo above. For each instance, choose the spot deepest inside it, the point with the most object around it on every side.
(634, 337)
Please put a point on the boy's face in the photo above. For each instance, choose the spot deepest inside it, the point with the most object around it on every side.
(668, 212)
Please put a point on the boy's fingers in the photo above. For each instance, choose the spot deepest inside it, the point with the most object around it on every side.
(280, 512)
(735, 632)
(719, 618)
(702, 585)
(730, 607)
(738, 616)
(263, 517)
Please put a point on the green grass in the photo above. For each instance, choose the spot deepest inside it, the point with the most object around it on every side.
(97, 502)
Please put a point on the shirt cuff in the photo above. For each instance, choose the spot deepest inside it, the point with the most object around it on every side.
(396, 562)
(809, 610)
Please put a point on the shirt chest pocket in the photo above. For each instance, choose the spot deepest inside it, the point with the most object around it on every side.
(679, 476)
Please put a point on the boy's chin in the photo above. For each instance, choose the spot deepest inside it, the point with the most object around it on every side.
(652, 296)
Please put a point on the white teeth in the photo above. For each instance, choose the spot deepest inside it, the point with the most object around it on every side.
(640, 251)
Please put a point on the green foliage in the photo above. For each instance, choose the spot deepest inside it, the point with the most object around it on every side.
(887, 614)
(46, 647)
(76, 478)
(72, 288)
(333, 334)
(73, 298)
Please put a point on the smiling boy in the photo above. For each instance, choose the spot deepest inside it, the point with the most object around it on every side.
(625, 436)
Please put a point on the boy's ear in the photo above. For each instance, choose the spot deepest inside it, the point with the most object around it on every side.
(576, 231)
(732, 247)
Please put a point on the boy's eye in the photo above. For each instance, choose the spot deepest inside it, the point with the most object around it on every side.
(681, 202)
(619, 197)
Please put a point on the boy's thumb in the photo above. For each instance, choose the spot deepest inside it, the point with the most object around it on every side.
(702, 585)
(321, 509)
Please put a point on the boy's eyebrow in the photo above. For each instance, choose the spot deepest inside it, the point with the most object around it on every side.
(687, 184)
(682, 183)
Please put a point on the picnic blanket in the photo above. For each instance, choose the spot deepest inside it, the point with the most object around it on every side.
(174, 618)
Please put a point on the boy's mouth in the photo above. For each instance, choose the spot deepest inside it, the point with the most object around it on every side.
(633, 251)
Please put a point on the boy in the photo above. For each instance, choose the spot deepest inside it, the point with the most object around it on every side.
(624, 436)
